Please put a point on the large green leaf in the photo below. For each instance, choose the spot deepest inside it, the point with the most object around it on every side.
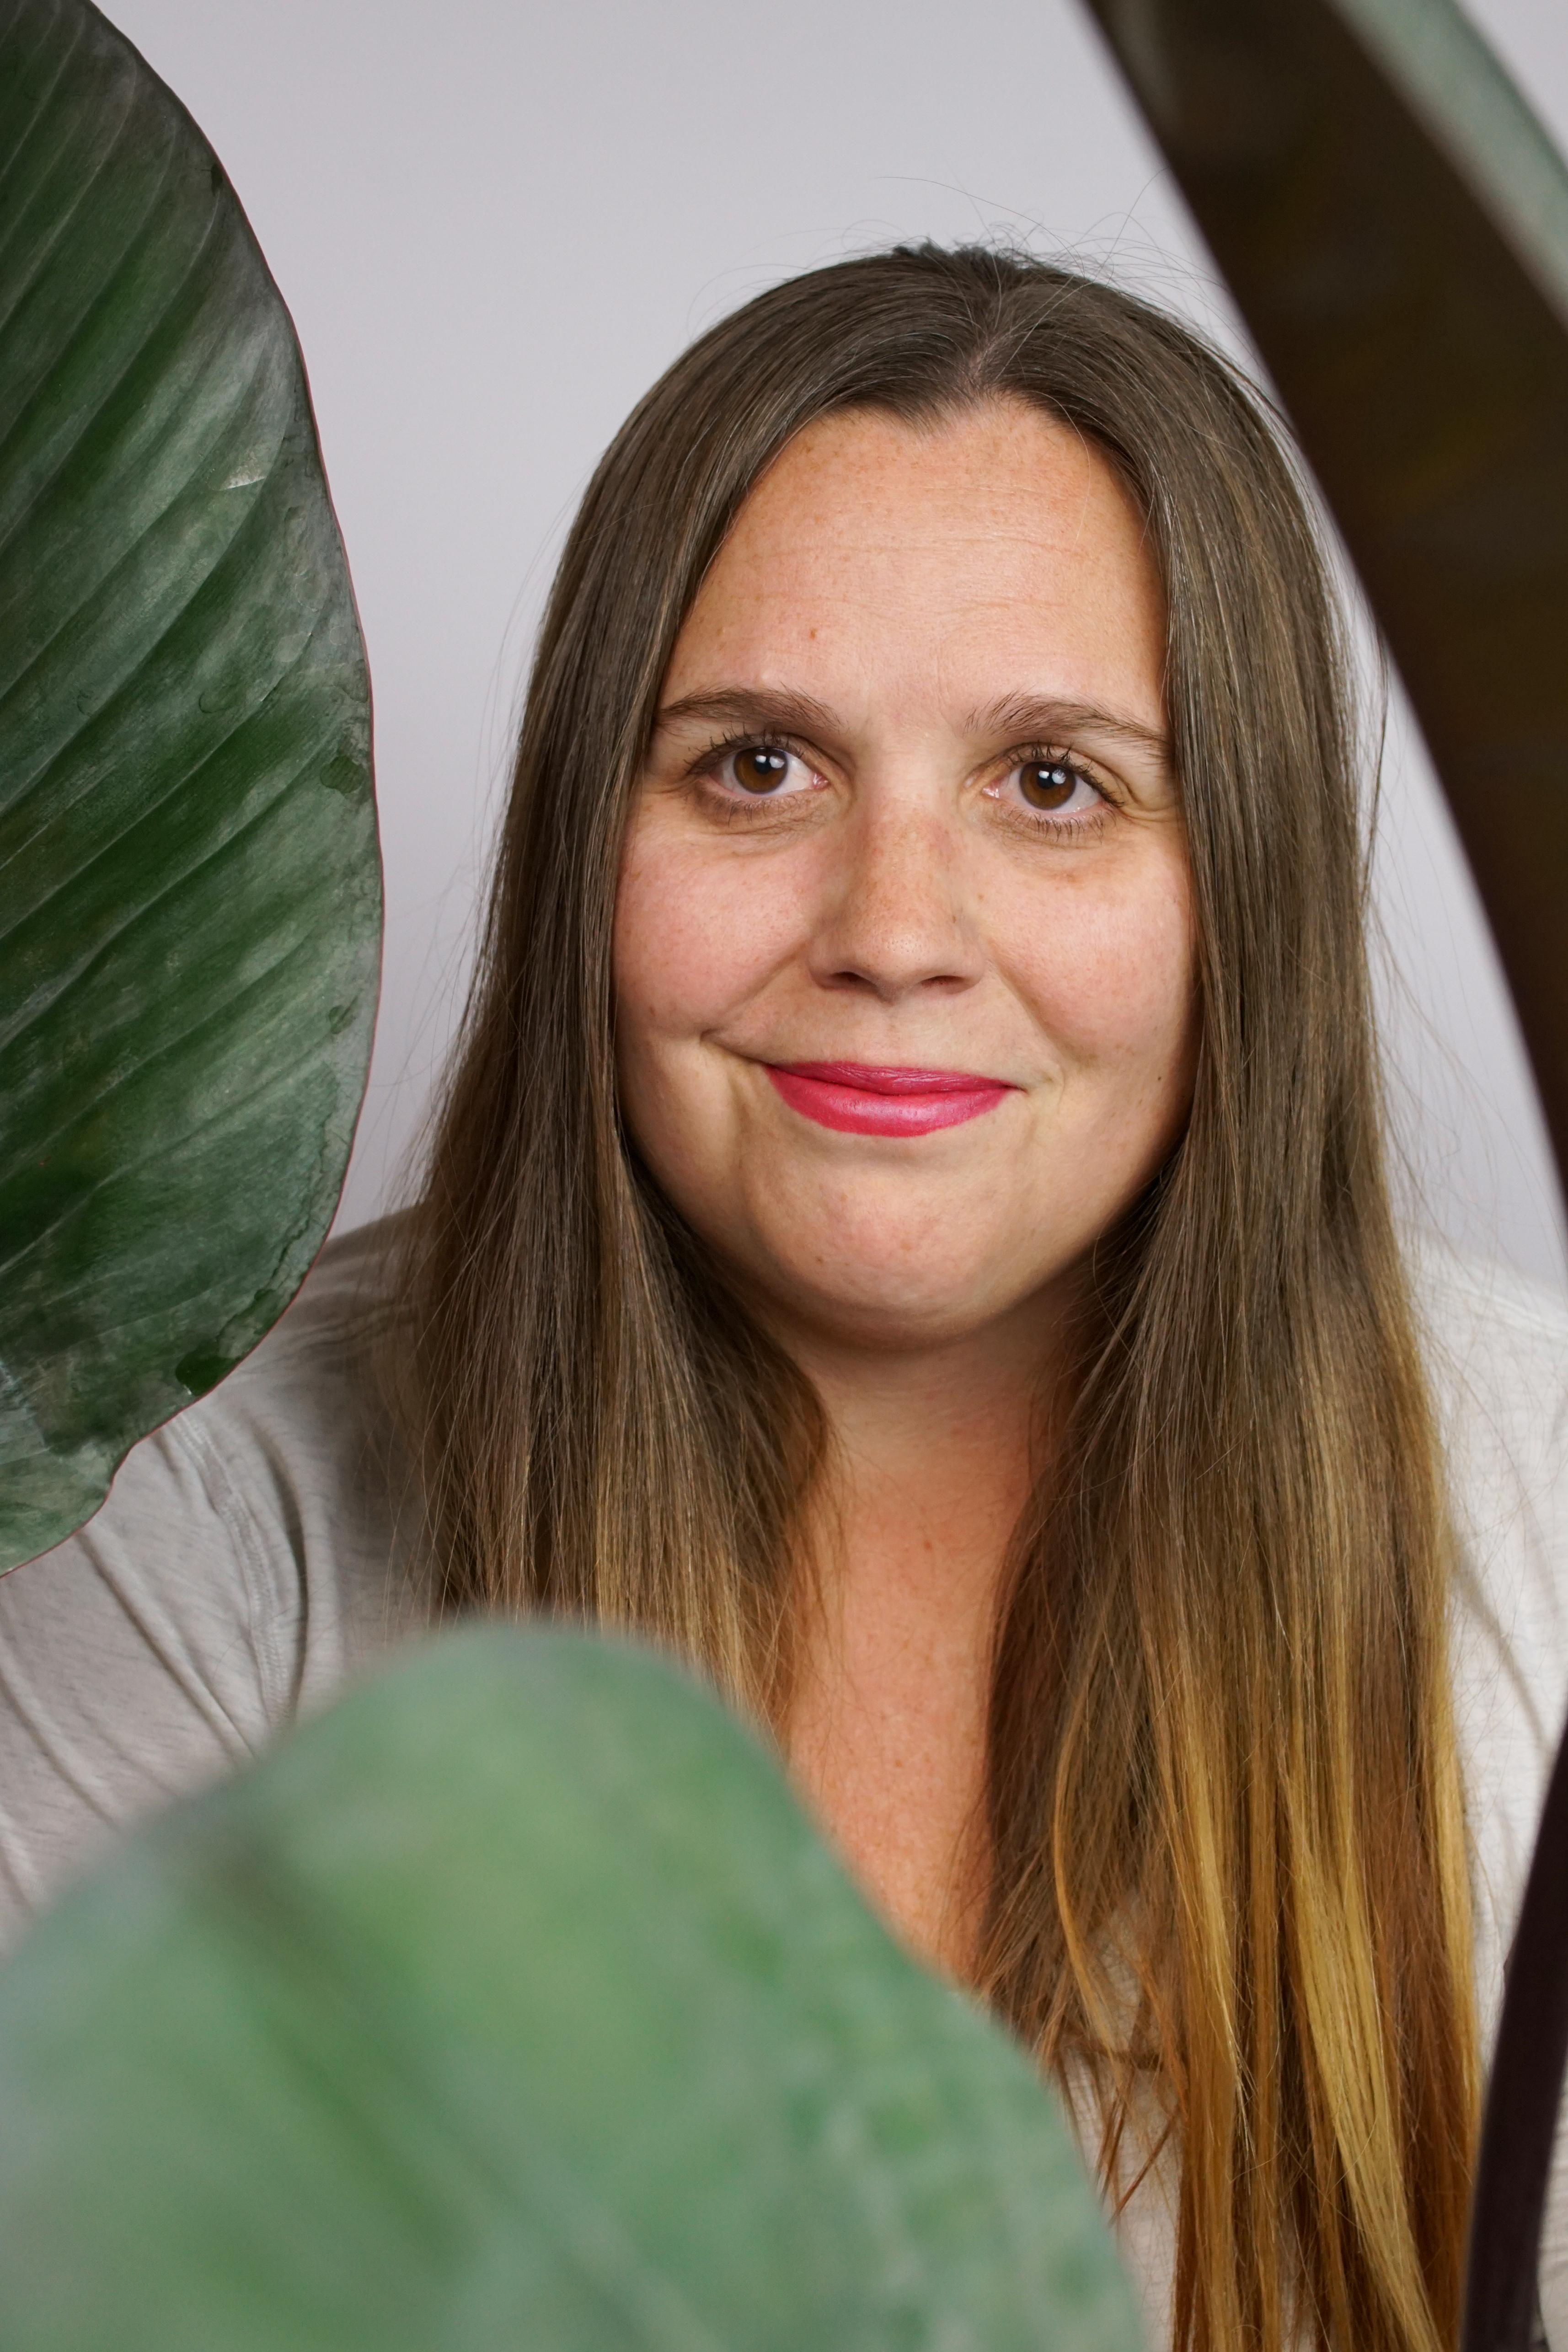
(188, 884)
(1393, 224)
(516, 2005)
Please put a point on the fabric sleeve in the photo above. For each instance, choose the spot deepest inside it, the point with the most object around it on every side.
(152, 1650)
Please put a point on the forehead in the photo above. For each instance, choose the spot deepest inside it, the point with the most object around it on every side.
(992, 550)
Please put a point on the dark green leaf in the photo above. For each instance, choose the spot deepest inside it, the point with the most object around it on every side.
(513, 2004)
(1394, 229)
(189, 885)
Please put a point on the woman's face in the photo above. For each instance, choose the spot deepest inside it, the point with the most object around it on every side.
(904, 958)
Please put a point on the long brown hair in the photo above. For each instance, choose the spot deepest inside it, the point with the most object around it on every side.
(1230, 1887)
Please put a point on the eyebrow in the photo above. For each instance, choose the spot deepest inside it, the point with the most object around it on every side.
(791, 714)
(1016, 717)
(1049, 718)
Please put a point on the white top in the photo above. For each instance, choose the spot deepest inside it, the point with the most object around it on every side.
(249, 1558)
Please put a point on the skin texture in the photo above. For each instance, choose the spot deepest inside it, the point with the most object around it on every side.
(909, 633)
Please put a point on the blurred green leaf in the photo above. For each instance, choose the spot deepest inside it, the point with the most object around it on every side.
(189, 885)
(513, 2004)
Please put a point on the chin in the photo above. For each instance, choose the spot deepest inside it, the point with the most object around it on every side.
(873, 1264)
(888, 1299)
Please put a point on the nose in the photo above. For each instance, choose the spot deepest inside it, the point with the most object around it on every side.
(896, 917)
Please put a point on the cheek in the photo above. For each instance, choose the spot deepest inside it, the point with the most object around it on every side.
(697, 934)
(1108, 971)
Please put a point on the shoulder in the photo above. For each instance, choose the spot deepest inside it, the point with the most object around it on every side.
(297, 1455)
(284, 1472)
(1496, 1347)
(345, 1302)
(249, 1555)
(305, 1402)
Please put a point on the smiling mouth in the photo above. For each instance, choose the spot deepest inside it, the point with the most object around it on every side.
(854, 1098)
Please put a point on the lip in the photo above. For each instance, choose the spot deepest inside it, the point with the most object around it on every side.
(858, 1098)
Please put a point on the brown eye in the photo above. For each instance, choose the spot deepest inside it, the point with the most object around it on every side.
(1047, 783)
(759, 768)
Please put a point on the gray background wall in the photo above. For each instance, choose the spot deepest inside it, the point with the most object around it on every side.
(495, 222)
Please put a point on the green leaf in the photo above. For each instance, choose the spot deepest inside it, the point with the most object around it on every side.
(189, 886)
(513, 2004)
(1394, 225)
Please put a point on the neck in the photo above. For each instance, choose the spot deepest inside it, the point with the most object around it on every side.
(933, 1455)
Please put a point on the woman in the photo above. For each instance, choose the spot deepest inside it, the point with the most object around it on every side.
(907, 1230)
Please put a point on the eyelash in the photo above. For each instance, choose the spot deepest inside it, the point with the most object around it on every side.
(1045, 755)
(705, 769)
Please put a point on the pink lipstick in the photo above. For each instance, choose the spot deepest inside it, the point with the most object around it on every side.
(854, 1098)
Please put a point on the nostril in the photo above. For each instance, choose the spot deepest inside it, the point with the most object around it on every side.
(898, 925)
(887, 983)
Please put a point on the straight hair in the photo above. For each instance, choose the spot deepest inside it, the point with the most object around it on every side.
(1230, 1902)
